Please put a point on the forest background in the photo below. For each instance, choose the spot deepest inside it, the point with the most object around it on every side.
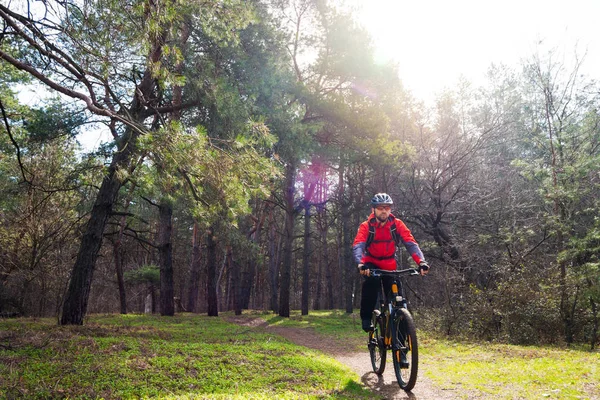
(248, 138)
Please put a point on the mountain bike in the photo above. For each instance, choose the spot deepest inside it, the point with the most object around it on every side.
(395, 331)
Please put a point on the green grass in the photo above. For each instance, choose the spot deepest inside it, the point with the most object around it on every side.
(508, 372)
(336, 324)
(184, 357)
(197, 357)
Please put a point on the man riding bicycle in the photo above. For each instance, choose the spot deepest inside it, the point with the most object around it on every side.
(375, 247)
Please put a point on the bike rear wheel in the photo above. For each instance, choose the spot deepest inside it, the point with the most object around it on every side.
(405, 350)
(377, 349)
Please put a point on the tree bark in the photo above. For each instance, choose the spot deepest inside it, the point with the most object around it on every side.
(250, 276)
(326, 263)
(211, 268)
(194, 271)
(594, 338)
(165, 256)
(236, 284)
(247, 282)
(119, 254)
(318, 286)
(284, 289)
(274, 256)
(76, 301)
(348, 269)
(306, 260)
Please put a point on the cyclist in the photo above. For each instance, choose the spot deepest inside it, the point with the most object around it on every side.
(375, 247)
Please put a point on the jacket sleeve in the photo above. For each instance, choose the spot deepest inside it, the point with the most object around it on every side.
(360, 242)
(409, 242)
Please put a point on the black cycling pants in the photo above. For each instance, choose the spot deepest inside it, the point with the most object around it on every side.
(371, 288)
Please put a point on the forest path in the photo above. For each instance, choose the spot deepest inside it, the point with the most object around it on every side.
(385, 386)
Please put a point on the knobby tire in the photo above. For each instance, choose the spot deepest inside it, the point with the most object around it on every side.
(404, 339)
(377, 349)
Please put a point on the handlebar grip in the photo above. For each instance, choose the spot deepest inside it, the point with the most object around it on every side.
(381, 272)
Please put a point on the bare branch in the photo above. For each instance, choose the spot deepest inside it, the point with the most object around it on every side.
(14, 142)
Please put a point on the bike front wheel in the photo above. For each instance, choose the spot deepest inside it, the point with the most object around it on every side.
(377, 349)
(405, 350)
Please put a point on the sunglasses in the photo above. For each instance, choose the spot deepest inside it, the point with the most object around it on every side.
(382, 208)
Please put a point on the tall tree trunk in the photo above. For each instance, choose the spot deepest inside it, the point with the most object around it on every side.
(194, 271)
(250, 276)
(229, 297)
(557, 165)
(152, 291)
(236, 284)
(224, 298)
(167, 289)
(326, 262)
(348, 269)
(165, 257)
(594, 338)
(569, 317)
(247, 281)
(274, 256)
(306, 260)
(211, 268)
(284, 289)
(356, 218)
(118, 256)
(323, 263)
(41, 311)
(76, 301)
(118, 253)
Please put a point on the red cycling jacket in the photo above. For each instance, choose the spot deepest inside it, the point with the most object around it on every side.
(382, 249)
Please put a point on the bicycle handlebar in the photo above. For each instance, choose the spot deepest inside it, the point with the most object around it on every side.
(382, 272)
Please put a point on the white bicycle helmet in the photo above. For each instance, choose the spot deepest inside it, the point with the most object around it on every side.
(381, 199)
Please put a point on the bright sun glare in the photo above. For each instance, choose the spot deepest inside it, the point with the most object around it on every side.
(435, 42)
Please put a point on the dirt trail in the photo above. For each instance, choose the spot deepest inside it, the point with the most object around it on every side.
(385, 386)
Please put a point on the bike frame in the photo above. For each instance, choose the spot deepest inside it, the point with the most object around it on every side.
(388, 306)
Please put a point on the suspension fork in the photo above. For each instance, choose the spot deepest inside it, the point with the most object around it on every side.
(395, 301)
(388, 325)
